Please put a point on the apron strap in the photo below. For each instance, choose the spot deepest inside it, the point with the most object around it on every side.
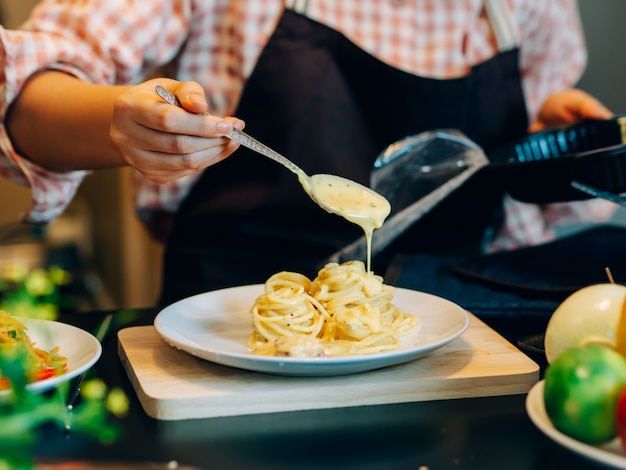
(502, 24)
(299, 6)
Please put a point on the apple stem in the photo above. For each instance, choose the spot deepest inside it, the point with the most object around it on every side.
(609, 275)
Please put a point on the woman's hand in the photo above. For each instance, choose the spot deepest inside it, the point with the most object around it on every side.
(165, 142)
(568, 107)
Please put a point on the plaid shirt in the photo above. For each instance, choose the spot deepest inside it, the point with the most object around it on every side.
(218, 42)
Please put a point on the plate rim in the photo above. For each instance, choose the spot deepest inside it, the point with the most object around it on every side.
(536, 410)
(269, 364)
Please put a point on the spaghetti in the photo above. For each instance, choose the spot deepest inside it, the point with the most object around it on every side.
(343, 311)
(15, 343)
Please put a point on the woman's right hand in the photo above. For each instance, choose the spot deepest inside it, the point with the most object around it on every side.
(165, 142)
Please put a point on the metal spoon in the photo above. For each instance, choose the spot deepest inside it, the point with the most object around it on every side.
(314, 185)
(241, 137)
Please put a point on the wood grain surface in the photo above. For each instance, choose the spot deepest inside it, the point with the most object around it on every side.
(174, 385)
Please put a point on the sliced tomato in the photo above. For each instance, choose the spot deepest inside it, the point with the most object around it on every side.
(44, 374)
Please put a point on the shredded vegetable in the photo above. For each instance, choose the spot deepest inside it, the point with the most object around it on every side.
(39, 364)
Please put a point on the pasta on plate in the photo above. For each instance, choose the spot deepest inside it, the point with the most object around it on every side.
(39, 364)
(344, 311)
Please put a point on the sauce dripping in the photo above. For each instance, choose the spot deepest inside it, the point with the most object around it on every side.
(352, 201)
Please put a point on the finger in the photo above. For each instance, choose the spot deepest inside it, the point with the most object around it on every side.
(586, 106)
(536, 127)
(191, 96)
(165, 167)
(175, 120)
(594, 109)
(170, 141)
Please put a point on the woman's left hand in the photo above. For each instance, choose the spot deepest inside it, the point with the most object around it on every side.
(567, 107)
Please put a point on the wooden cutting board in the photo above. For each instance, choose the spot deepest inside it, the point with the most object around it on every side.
(174, 385)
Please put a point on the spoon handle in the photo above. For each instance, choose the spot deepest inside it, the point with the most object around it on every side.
(253, 144)
(240, 136)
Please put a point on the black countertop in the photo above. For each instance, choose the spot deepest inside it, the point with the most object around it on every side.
(475, 433)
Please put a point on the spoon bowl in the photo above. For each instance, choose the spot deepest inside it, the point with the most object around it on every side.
(353, 201)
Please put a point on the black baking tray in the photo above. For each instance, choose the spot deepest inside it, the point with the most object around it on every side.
(541, 167)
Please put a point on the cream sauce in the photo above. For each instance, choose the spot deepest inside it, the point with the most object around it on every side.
(350, 200)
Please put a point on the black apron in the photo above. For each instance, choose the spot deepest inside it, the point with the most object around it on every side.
(329, 106)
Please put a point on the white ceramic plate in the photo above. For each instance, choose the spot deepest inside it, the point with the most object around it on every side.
(608, 454)
(80, 348)
(216, 325)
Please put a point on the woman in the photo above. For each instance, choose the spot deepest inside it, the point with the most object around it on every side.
(328, 84)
